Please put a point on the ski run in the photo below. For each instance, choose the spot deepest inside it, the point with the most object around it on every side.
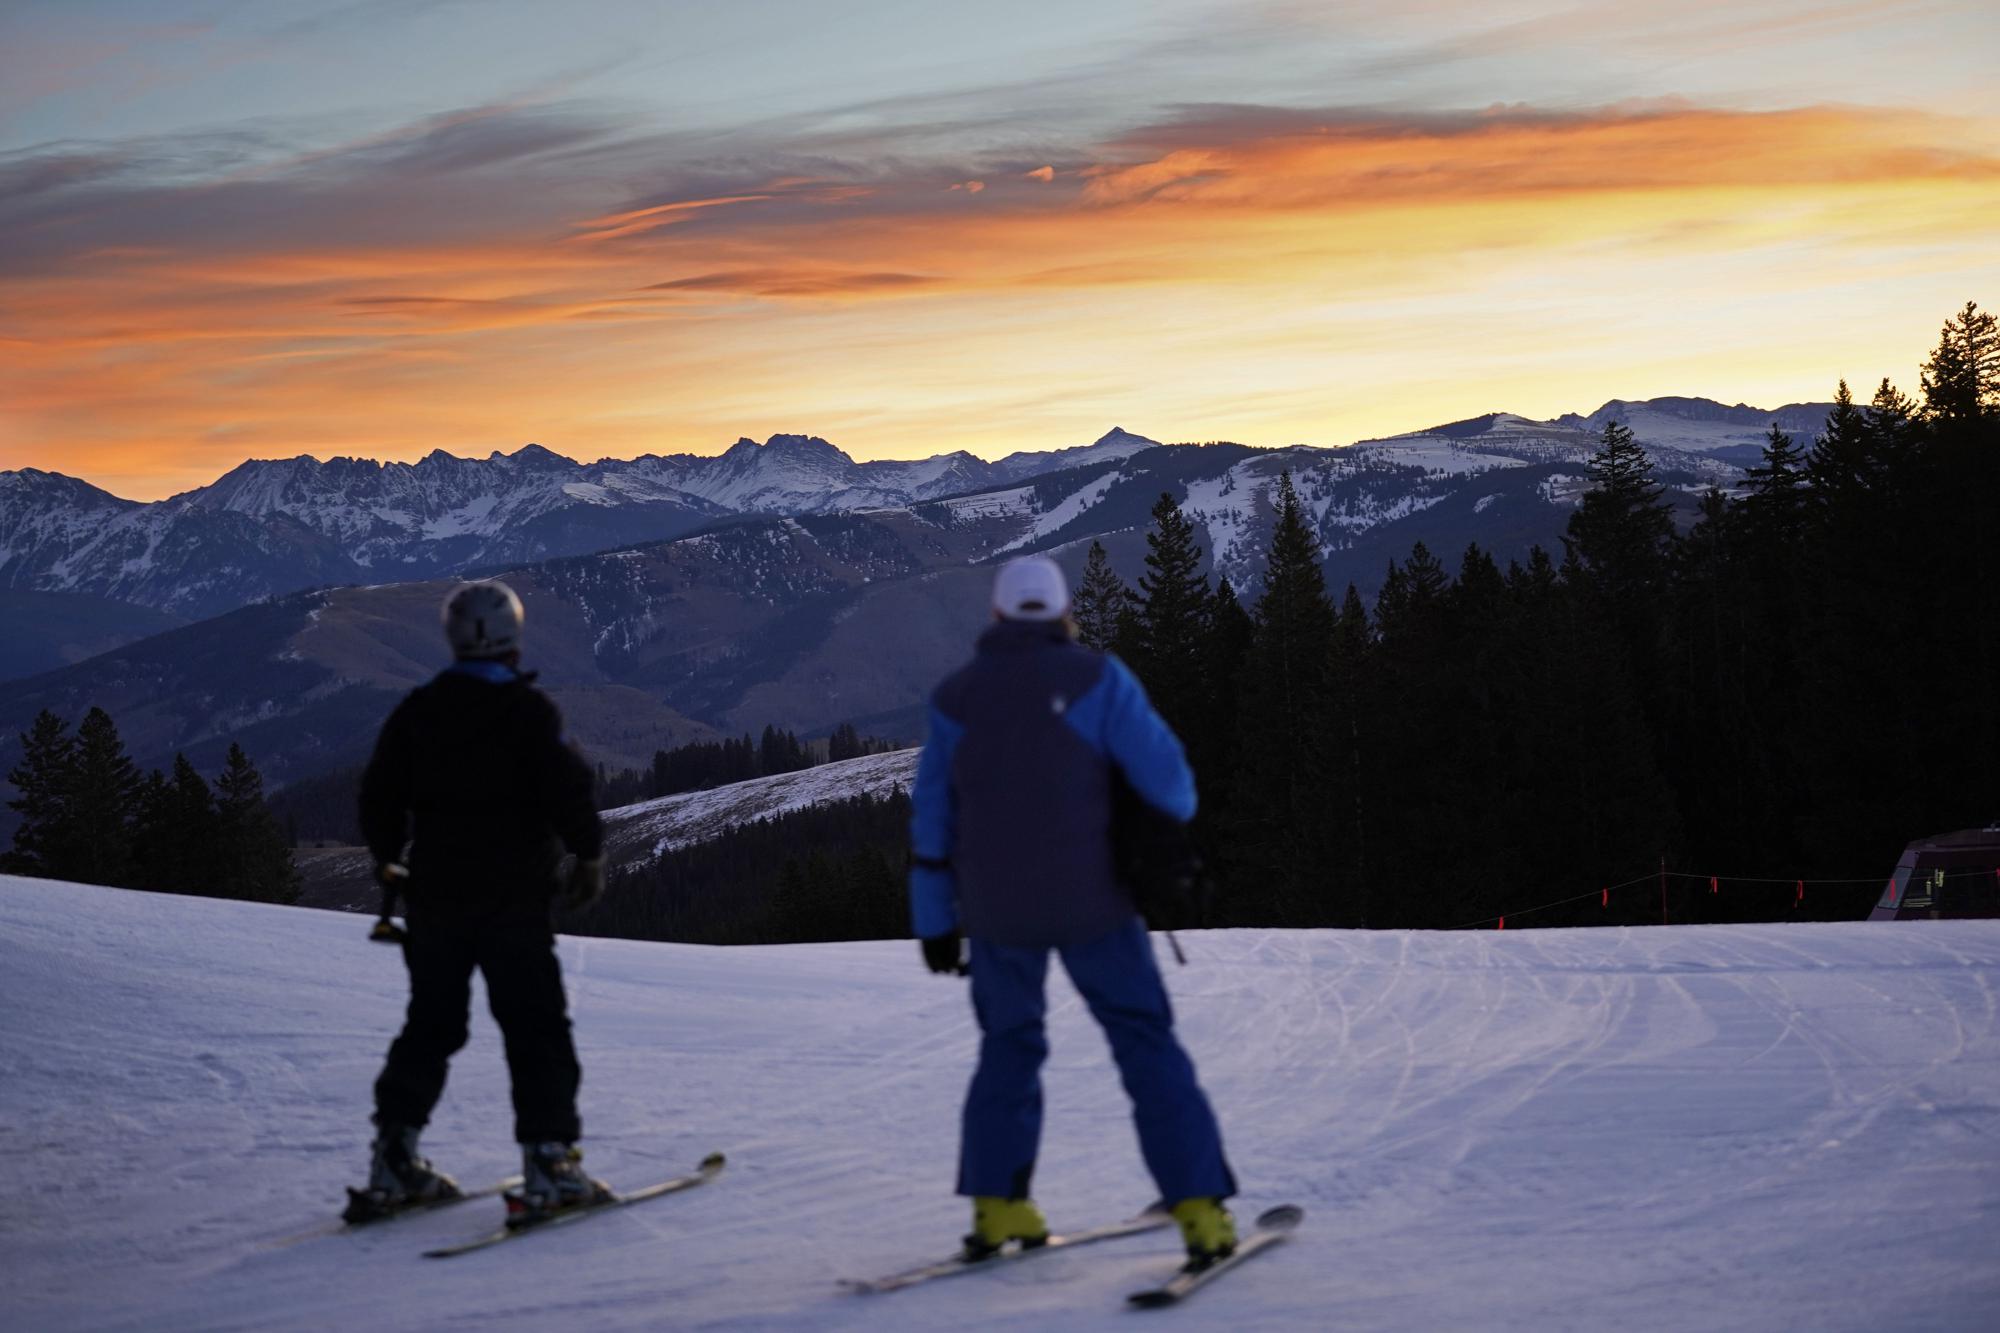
(1747, 1127)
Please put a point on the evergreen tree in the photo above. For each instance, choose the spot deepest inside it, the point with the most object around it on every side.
(1230, 632)
(1777, 492)
(1840, 461)
(1350, 735)
(1415, 655)
(104, 801)
(780, 752)
(1961, 380)
(1581, 782)
(1891, 421)
(1618, 543)
(45, 839)
(252, 858)
(1172, 617)
(178, 834)
(1713, 740)
(1285, 714)
(1099, 602)
(1620, 531)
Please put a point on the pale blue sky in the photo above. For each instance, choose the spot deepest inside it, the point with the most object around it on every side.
(307, 72)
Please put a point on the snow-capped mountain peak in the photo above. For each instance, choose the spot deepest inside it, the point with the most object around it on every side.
(271, 526)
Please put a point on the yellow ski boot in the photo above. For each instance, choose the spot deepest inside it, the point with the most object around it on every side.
(1208, 1230)
(997, 1221)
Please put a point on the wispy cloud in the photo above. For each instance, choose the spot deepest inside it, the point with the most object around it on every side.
(548, 269)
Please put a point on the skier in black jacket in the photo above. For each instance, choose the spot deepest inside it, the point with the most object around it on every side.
(472, 773)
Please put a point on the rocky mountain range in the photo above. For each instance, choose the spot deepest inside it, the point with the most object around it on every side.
(272, 527)
(837, 607)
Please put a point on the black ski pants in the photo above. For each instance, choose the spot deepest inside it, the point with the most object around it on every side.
(516, 952)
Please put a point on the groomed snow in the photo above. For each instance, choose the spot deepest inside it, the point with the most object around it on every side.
(1789, 1126)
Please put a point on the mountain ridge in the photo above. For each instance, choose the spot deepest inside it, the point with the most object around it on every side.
(808, 620)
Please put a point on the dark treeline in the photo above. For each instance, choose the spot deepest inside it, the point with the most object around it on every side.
(700, 765)
(324, 808)
(827, 872)
(1792, 687)
(88, 815)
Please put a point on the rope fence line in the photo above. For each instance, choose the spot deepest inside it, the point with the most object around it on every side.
(1715, 883)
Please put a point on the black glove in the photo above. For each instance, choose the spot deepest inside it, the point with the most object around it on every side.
(585, 884)
(945, 954)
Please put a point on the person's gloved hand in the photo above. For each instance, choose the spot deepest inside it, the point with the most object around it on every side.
(585, 884)
(393, 878)
(945, 954)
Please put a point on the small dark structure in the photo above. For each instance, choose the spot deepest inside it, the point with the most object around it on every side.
(1952, 875)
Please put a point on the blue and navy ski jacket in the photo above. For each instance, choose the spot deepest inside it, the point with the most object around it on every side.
(1011, 836)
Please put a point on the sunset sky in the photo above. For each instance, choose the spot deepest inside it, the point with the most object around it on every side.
(376, 228)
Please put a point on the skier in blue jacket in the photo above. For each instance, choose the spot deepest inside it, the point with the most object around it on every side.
(1012, 851)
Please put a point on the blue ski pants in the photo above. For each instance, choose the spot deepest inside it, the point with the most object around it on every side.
(1120, 981)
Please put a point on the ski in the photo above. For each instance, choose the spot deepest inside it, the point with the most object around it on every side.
(711, 1167)
(417, 1209)
(1273, 1226)
(1150, 1220)
(344, 1227)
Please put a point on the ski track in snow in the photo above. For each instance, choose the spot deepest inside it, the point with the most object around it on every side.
(1745, 1127)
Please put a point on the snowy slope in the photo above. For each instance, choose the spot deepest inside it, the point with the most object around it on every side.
(1702, 425)
(1672, 1128)
(635, 832)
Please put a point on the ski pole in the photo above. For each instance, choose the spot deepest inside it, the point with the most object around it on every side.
(1179, 957)
(386, 931)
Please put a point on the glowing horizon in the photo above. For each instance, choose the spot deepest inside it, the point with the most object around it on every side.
(964, 264)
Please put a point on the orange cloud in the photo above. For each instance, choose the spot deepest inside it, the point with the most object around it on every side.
(638, 220)
(1227, 275)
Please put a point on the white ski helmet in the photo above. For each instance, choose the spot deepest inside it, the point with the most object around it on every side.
(483, 619)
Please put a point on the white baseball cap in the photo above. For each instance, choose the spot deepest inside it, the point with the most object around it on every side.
(1031, 588)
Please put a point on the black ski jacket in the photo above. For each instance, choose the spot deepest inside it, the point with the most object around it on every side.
(472, 771)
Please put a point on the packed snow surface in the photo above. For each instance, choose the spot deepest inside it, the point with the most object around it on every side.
(1754, 1127)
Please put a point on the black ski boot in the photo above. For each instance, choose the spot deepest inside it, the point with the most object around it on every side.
(398, 1179)
(552, 1181)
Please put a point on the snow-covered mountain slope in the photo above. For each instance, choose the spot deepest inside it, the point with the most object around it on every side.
(637, 832)
(1114, 444)
(61, 535)
(1702, 425)
(272, 527)
(1646, 1129)
(445, 513)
